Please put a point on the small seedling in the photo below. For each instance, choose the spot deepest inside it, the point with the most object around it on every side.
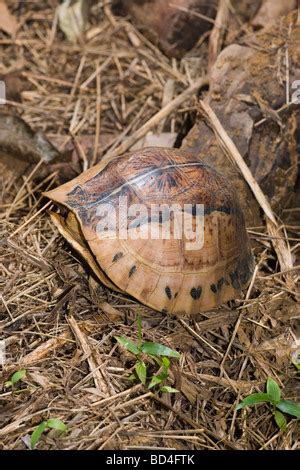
(52, 423)
(297, 365)
(158, 352)
(15, 378)
(295, 359)
(273, 397)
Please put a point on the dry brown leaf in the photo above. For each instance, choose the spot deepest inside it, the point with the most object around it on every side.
(281, 344)
(165, 139)
(73, 18)
(272, 10)
(8, 22)
(113, 313)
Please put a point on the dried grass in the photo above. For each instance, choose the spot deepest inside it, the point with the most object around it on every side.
(60, 325)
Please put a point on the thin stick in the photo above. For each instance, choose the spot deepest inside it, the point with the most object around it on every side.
(199, 338)
(193, 13)
(44, 349)
(88, 355)
(27, 179)
(218, 30)
(30, 219)
(80, 151)
(98, 116)
(283, 252)
(108, 13)
(154, 120)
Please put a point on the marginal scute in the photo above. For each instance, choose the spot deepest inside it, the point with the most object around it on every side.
(167, 274)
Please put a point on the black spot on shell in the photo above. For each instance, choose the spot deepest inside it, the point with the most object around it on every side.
(214, 288)
(168, 292)
(220, 283)
(132, 271)
(196, 292)
(175, 295)
(117, 256)
(235, 280)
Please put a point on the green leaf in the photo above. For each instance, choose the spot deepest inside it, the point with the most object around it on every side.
(166, 363)
(19, 375)
(36, 435)
(57, 424)
(127, 344)
(166, 389)
(296, 365)
(273, 391)
(16, 377)
(163, 375)
(141, 370)
(280, 420)
(253, 400)
(289, 407)
(157, 349)
(132, 377)
(154, 381)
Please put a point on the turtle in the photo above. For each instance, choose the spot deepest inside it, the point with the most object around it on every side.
(160, 225)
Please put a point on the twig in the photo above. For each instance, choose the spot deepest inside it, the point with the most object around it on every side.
(94, 367)
(198, 337)
(283, 251)
(154, 120)
(30, 219)
(108, 13)
(80, 151)
(237, 325)
(98, 116)
(26, 180)
(191, 422)
(45, 349)
(217, 33)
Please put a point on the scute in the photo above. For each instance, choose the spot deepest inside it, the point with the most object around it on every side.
(163, 273)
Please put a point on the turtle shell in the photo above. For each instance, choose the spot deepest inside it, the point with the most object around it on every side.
(129, 211)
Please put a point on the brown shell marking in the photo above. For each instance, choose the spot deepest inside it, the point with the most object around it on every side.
(162, 273)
